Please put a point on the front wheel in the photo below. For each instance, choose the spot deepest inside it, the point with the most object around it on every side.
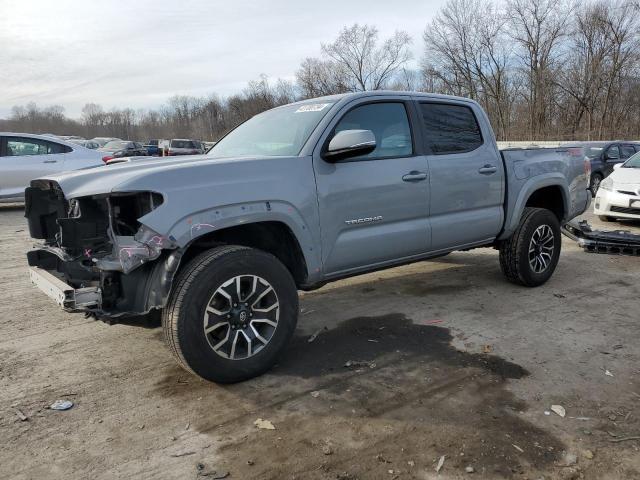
(231, 313)
(531, 255)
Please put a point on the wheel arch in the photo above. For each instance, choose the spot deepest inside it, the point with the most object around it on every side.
(272, 236)
(550, 192)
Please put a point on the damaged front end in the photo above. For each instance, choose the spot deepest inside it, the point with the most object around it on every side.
(94, 254)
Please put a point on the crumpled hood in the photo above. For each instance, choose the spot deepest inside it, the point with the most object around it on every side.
(154, 174)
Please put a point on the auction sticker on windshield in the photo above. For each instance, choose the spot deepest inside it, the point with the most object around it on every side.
(314, 107)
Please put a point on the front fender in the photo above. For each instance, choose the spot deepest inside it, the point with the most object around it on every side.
(190, 227)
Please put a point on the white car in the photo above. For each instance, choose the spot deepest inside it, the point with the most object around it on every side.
(619, 193)
(25, 156)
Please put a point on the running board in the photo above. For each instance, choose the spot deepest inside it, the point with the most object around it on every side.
(611, 242)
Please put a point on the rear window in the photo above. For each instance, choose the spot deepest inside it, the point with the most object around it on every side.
(450, 128)
(183, 144)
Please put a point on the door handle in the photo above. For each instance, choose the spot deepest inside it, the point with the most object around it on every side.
(414, 176)
(488, 169)
(50, 161)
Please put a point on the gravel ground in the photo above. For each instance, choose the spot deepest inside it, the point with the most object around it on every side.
(448, 360)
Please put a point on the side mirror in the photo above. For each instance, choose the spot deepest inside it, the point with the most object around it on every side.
(350, 143)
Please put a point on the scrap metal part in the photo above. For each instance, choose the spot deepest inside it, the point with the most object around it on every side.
(612, 242)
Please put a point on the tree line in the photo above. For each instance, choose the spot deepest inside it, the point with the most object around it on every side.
(542, 69)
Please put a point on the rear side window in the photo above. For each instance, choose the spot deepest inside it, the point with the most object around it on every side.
(613, 153)
(626, 151)
(389, 124)
(450, 128)
(22, 146)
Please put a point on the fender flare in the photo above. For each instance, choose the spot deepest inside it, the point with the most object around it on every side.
(193, 226)
(529, 188)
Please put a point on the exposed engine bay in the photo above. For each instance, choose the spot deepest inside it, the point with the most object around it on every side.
(97, 245)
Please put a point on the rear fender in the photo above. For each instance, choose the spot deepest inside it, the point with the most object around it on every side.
(515, 210)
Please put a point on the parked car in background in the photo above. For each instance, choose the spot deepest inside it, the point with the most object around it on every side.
(25, 156)
(70, 137)
(152, 146)
(619, 193)
(122, 148)
(183, 146)
(208, 146)
(102, 141)
(90, 144)
(603, 156)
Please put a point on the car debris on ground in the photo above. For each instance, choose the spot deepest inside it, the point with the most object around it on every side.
(61, 405)
(264, 424)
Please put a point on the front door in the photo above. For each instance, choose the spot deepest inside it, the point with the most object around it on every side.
(373, 208)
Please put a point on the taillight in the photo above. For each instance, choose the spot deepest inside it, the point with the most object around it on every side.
(106, 158)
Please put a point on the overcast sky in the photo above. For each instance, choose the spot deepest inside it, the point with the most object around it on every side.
(138, 53)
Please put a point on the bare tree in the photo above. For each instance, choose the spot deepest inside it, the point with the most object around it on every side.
(538, 28)
(369, 66)
(466, 53)
(317, 77)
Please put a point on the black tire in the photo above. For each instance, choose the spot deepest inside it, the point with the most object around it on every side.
(184, 321)
(514, 252)
(594, 184)
(606, 218)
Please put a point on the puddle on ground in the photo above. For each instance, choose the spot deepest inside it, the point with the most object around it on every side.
(368, 339)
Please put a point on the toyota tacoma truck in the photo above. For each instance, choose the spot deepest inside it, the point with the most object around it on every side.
(218, 245)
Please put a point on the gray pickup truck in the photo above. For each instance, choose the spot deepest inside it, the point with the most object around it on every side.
(295, 197)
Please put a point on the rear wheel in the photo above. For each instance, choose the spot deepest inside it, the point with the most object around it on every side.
(596, 180)
(531, 255)
(231, 313)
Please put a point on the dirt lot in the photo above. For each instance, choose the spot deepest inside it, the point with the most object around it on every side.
(448, 359)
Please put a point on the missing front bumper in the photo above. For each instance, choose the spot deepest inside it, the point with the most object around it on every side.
(612, 242)
(69, 298)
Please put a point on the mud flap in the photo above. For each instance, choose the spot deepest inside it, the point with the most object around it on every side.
(612, 242)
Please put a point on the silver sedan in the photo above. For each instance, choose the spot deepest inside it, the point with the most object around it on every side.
(25, 156)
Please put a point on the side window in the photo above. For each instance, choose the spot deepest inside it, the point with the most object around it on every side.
(389, 124)
(22, 146)
(53, 147)
(626, 151)
(17, 146)
(450, 128)
(612, 153)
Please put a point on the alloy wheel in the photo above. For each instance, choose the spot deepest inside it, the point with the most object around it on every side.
(541, 248)
(241, 317)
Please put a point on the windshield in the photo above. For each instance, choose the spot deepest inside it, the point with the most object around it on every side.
(633, 162)
(278, 132)
(117, 145)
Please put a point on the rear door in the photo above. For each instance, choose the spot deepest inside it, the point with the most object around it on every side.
(466, 174)
(24, 159)
(373, 208)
